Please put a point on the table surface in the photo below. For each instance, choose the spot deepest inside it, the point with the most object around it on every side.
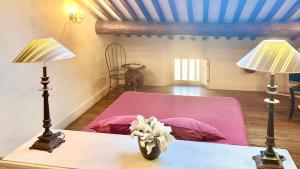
(133, 66)
(107, 151)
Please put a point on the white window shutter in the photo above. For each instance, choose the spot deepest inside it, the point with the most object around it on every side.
(204, 71)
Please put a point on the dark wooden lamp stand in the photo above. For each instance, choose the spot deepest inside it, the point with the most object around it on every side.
(269, 159)
(48, 140)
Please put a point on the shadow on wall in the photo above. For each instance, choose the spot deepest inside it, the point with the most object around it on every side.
(151, 78)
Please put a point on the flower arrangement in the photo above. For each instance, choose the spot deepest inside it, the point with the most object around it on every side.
(151, 133)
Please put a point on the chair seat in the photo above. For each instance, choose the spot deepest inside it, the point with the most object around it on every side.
(120, 76)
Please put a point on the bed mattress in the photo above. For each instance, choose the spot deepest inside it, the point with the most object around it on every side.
(223, 113)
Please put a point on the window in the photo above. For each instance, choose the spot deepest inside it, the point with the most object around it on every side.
(187, 69)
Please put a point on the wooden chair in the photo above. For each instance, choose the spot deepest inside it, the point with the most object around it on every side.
(115, 57)
(293, 90)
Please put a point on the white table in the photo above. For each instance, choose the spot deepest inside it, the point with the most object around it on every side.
(107, 151)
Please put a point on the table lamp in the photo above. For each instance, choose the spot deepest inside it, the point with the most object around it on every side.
(43, 50)
(271, 56)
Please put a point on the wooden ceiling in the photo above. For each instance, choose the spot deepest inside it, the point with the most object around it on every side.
(225, 18)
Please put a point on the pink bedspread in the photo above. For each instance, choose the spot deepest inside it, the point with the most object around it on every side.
(223, 113)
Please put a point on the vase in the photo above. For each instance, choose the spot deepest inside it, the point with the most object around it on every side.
(154, 153)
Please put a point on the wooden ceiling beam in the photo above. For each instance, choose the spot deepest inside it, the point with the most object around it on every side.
(274, 10)
(293, 38)
(103, 11)
(116, 10)
(240, 37)
(144, 10)
(238, 11)
(237, 14)
(174, 10)
(291, 12)
(275, 30)
(130, 10)
(87, 8)
(259, 5)
(159, 11)
(189, 5)
(205, 10)
(223, 9)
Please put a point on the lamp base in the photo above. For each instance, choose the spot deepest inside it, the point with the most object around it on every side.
(263, 162)
(48, 143)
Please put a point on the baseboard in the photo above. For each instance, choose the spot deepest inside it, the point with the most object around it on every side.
(288, 95)
(283, 94)
(82, 108)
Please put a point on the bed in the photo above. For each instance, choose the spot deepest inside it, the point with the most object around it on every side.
(223, 113)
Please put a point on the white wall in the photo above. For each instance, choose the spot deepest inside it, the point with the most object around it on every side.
(224, 74)
(158, 55)
(76, 83)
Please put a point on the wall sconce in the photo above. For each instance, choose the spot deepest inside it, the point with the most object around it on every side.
(75, 13)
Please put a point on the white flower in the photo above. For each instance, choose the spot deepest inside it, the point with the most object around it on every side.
(140, 119)
(151, 132)
(150, 145)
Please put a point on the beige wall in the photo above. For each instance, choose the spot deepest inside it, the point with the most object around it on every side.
(158, 55)
(76, 83)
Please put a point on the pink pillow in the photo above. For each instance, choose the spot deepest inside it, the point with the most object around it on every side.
(115, 125)
(191, 129)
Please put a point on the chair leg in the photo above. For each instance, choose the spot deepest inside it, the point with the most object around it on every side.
(292, 104)
(107, 96)
(117, 86)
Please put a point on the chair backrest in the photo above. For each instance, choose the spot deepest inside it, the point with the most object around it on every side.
(115, 57)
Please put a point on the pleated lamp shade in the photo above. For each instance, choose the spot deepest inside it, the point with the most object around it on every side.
(42, 50)
(272, 56)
